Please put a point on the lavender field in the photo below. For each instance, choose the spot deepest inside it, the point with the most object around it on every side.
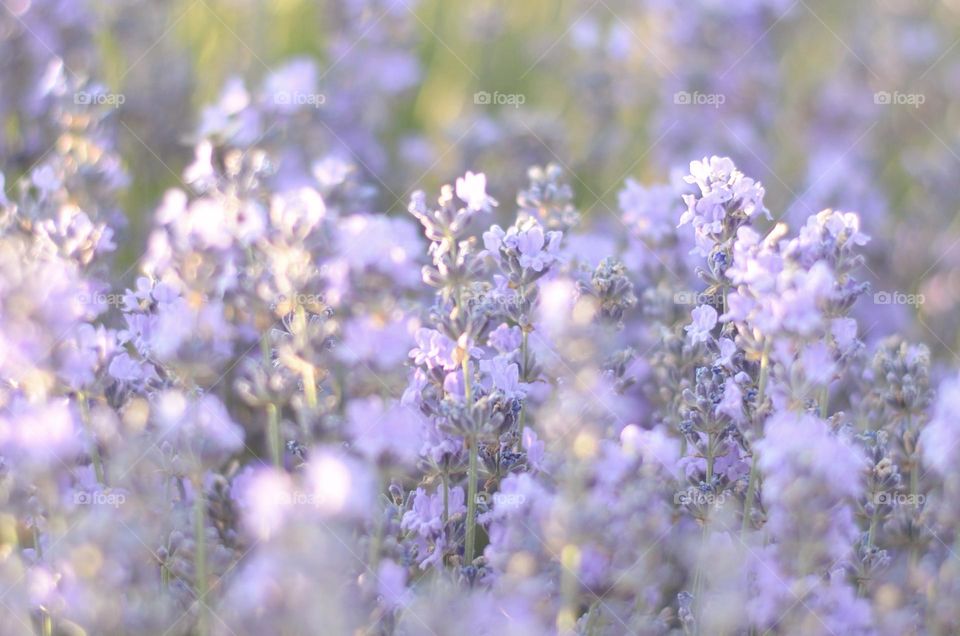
(423, 317)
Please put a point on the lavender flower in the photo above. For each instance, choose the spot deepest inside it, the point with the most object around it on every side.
(300, 412)
(704, 320)
(726, 200)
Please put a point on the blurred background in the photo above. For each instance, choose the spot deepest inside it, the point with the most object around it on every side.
(851, 105)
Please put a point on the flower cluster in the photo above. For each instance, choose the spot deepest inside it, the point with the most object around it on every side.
(300, 412)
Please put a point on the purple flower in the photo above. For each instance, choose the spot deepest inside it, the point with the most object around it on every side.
(41, 431)
(726, 199)
(534, 254)
(844, 332)
(382, 430)
(825, 236)
(124, 369)
(655, 447)
(810, 478)
(297, 212)
(939, 439)
(503, 375)
(381, 344)
(818, 365)
(472, 190)
(392, 585)
(454, 387)
(201, 425)
(265, 498)
(536, 449)
(425, 518)
(727, 350)
(413, 394)
(493, 239)
(719, 181)
(731, 404)
(84, 353)
(505, 339)
(200, 174)
(376, 243)
(649, 212)
(340, 485)
(434, 350)
(704, 320)
(526, 243)
(292, 87)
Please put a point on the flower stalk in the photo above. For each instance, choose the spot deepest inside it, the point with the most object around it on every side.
(200, 556)
(754, 468)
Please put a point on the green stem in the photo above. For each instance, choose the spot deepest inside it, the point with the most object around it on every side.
(873, 527)
(754, 471)
(308, 373)
(751, 493)
(711, 441)
(523, 377)
(200, 556)
(274, 441)
(95, 445)
(310, 387)
(377, 540)
(47, 624)
(592, 614)
(683, 453)
(699, 577)
(265, 350)
(273, 433)
(764, 373)
(570, 562)
(467, 389)
(524, 363)
(471, 531)
(472, 470)
(444, 479)
(914, 499)
(524, 352)
(862, 587)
